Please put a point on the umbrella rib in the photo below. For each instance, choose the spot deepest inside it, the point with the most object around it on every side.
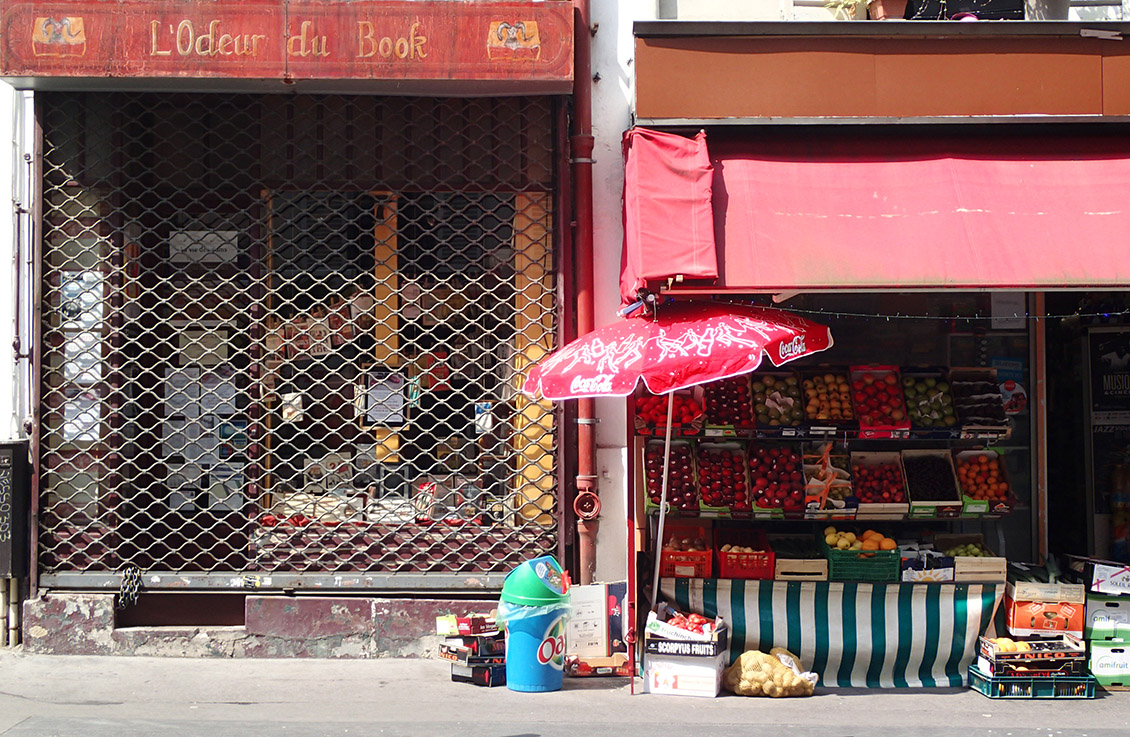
(662, 503)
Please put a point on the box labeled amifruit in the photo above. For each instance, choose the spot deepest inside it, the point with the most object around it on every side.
(684, 663)
(1108, 617)
(1110, 663)
(1044, 608)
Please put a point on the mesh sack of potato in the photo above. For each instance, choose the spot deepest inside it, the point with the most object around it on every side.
(773, 674)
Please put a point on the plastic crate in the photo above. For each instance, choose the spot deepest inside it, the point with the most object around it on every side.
(686, 563)
(871, 566)
(1032, 687)
(759, 564)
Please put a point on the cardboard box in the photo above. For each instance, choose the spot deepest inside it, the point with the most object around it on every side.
(1110, 663)
(880, 510)
(474, 649)
(685, 666)
(613, 665)
(451, 625)
(1063, 656)
(595, 626)
(1108, 617)
(1044, 609)
(480, 675)
(931, 508)
(1101, 576)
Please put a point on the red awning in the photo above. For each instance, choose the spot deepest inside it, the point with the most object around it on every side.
(668, 225)
(842, 212)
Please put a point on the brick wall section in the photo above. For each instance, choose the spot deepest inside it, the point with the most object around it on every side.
(275, 627)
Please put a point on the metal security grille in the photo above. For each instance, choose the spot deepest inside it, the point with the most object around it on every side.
(283, 337)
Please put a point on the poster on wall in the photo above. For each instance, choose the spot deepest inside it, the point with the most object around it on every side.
(1110, 377)
(204, 246)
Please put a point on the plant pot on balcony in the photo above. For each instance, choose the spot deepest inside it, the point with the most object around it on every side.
(886, 9)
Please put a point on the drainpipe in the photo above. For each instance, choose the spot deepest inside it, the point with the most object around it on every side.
(586, 504)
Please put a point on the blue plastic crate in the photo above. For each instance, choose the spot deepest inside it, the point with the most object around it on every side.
(1032, 687)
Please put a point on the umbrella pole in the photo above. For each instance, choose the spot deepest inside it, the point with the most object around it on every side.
(662, 502)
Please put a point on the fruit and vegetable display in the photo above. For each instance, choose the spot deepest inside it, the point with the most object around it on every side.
(652, 409)
(774, 674)
(878, 481)
(777, 400)
(827, 398)
(930, 477)
(728, 402)
(682, 491)
(928, 402)
(721, 477)
(776, 478)
(877, 398)
(981, 476)
(867, 541)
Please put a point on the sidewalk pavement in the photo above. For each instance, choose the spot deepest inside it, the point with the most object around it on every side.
(124, 696)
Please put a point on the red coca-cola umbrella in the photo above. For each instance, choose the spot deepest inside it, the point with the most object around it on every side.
(682, 345)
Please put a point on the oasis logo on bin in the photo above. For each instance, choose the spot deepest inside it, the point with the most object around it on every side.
(792, 349)
(551, 651)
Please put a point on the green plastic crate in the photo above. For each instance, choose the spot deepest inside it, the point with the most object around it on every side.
(872, 566)
(1032, 687)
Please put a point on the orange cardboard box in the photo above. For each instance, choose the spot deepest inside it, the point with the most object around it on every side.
(1044, 609)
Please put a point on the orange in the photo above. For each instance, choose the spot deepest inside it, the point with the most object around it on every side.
(870, 544)
(887, 544)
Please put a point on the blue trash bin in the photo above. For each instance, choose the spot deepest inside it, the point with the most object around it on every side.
(534, 607)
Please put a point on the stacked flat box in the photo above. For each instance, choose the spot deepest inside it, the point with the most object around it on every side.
(1107, 628)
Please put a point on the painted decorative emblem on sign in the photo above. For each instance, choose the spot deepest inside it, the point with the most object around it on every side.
(58, 37)
(517, 41)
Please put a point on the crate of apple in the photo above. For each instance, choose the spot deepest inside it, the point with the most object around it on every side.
(682, 491)
(878, 401)
(722, 476)
(878, 479)
(777, 400)
(651, 414)
(776, 477)
(728, 402)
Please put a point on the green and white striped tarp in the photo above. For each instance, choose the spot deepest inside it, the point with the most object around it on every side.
(895, 635)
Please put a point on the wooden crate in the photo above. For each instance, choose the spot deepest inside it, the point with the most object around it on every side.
(800, 569)
(993, 569)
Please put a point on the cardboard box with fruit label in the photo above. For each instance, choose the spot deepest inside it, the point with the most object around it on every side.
(979, 403)
(687, 417)
(983, 481)
(1044, 608)
(723, 481)
(1110, 663)
(1063, 656)
(729, 407)
(932, 484)
(827, 401)
(929, 403)
(1108, 617)
(878, 403)
(776, 480)
(682, 481)
(879, 483)
(682, 663)
(1101, 576)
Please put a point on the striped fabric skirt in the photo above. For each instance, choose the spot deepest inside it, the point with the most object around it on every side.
(894, 635)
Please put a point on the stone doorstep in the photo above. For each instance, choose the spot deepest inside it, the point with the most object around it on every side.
(275, 626)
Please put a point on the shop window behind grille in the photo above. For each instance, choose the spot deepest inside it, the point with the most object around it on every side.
(284, 335)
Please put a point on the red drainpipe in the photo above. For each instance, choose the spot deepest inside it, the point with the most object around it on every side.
(586, 504)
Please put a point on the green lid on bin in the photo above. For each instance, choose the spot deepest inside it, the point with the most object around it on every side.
(537, 582)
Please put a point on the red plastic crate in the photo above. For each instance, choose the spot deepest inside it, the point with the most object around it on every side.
(757, 565)
(686, 563)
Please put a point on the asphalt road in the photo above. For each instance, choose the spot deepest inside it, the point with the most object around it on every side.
(127, 697)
